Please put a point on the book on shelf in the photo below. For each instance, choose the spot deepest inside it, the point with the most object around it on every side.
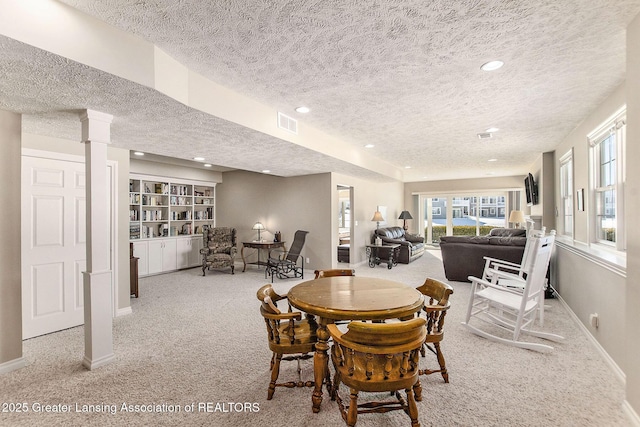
(134, 231)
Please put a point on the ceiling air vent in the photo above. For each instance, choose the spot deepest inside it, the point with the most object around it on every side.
(484, 135)
(287, 123)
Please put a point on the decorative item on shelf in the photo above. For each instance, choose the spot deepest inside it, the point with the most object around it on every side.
(377, 217)
(517, 218)
(277, 237)
(404, 216)
(258, 226)
(378, 241)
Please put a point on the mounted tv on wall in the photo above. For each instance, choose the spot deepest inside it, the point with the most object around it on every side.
(531, 190)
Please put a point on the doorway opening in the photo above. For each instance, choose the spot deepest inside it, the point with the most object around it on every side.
(345, 223)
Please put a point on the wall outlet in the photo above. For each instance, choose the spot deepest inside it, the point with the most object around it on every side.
(307, 260)
(595, 320)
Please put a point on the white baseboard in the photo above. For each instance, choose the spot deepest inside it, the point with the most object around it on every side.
(628, 410)
(631, 414)
(619, 373)
(124, 311)
(93, 364)
(12, 365)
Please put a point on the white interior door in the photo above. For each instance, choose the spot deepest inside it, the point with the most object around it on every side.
(53, 244)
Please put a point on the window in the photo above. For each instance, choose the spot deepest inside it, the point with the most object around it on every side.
(607, 181)
(566, 193)
(436, 211)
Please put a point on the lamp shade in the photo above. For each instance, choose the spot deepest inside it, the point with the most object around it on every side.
(257, 226)
(377, 216)
(516, 217)
(405, 215)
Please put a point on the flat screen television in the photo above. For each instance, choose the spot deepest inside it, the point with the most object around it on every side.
(531, 190)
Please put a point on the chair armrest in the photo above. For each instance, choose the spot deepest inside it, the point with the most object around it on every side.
(295, 315)
(476, 281)
(414, 238)
(499, 274)
(280, 254)
(500, 261)
(428, 308)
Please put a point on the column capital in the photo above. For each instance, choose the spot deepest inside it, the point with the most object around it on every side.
(96, 126)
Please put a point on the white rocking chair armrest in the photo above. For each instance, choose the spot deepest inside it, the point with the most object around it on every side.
(500, 274)
(476, 281)
(501, 261)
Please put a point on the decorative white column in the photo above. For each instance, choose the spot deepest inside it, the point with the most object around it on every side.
(98, 321)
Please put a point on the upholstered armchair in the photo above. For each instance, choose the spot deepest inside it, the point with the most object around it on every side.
(219, 249)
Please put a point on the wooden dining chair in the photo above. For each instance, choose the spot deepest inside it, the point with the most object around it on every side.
(288, 334)
(435, 309)
(334, 272)
(377, 357)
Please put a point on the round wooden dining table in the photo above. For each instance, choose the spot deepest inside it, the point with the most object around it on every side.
(349, 298)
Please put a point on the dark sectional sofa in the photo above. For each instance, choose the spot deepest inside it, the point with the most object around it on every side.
(463, 256)
(411, 246)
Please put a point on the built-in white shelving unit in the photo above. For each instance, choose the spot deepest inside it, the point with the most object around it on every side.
(166, 220)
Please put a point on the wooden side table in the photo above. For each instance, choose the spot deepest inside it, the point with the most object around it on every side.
(383, 253)
(260, 246)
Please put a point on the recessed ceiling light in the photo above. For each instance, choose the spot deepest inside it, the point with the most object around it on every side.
(138, 153)
(492, 130)
(407, 167)
(303, 110)
(369, 146)
(491, 65)
(207, 165)
(266, 171)
(492, 160)
(198, 159)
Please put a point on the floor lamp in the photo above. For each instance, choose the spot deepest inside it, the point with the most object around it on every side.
(404, 216)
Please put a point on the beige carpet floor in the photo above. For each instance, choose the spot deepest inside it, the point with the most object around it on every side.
(194, 353)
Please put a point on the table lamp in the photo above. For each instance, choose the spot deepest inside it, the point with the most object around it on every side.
(516, 217)
(377, 217)
(258, 226)
(404, 216)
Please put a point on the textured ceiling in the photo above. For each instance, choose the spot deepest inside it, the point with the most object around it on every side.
(403, 75)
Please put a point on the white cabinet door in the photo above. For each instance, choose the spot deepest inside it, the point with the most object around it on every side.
(169, 255)
(195, 258)
(183, 252)
(155, 256)
(140, 251)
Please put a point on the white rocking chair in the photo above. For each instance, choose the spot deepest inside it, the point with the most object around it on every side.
(512, 275)
(514, 309)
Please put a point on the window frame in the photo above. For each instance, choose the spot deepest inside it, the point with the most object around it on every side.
(567, 207)
(616, 126)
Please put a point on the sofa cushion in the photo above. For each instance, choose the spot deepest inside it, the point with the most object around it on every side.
(480, 240)
(508, 241)
(508, 232)
(391, 232)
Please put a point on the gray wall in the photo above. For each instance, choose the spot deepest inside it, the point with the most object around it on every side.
(587, 286)
(307, 202)
(367, 196)
(10, 278)
(280, 204)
